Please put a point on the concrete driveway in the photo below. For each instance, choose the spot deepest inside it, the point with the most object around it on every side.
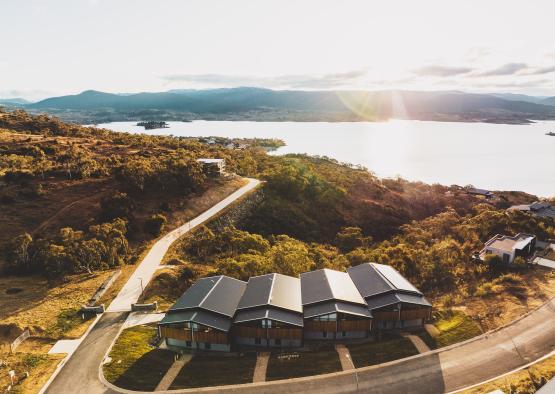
(132, 290)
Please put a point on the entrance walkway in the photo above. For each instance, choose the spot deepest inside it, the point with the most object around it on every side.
(418, 343)
(172, 373)
(261, 366)
(344, 357)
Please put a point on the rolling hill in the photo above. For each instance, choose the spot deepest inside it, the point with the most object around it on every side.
(265, 104)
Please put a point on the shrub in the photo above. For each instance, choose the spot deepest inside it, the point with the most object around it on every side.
(155, 224)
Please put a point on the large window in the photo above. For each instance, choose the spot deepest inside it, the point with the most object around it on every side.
(329, 317)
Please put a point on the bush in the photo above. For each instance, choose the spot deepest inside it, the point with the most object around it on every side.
(155, 224)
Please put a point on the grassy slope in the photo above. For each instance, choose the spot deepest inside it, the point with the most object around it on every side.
(135, 364)
(323, 360)
(454, 326)
(521, 381)
(215, 370)
(387, 349)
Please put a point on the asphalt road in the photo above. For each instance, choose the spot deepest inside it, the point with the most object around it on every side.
(441, 371)
(80, 373)
(437, 372)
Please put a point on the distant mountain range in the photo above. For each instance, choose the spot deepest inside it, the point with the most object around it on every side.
(265, 104)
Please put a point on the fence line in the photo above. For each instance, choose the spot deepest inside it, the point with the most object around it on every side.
(24, 335)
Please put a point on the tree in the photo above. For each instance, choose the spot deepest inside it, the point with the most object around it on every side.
(350, 238)
(290, 256)
(18, 252)
(155, 224)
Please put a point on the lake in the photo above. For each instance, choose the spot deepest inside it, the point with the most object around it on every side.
(490, 156)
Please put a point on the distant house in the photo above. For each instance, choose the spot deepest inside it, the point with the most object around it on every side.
(202, 317)
(270, 312)
(509, 247)
(332, 306)
(539, 208)
(393, 301)
(212, 167)
(479, 192)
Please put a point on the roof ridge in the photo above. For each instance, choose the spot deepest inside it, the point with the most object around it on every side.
(209, 292)
(384, 277)
(271, 289)
(328, 283)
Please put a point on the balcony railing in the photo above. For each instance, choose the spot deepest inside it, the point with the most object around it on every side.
(182, 334)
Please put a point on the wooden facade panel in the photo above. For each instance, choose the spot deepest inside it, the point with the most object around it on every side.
(354, 325)
(175, 333)
(313, 325)
(285, 333)
(411, 314)
(210, 336)
(249, 332)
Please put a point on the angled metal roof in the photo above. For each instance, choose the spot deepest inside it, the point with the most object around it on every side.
(280, 315)
(388, 299)
(372, 279)
(276, 290)
(325, 284)
(325, 308)
(219, 294)
(205, 318)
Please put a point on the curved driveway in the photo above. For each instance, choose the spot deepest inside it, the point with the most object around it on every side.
(443, 370)
(79, 374)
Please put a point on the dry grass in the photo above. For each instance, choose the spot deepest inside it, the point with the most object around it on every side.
(39, 366)
(521, 381)
(39, 304)
(536, 286)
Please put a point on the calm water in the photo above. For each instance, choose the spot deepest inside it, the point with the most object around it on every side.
(501, 157)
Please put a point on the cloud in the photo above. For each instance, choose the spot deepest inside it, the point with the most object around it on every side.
(505, 69)
(295, 81)
(442, 71)
(540, 70)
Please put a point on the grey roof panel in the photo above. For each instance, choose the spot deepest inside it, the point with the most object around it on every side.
(273, 289)
(323, 285)
(269, 313)
(286, 293)
(382, 300)
(372, 279)
(225, 296)
(413, 299)
(388, 299)
(395, 278)
(326, 308)
(368, 281)
(205, 318)
(220, 294)
(257, 291)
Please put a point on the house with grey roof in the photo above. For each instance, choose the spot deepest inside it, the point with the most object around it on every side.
(508, 248)
(202, 317)
(212, 167)
(274, 310)
(540, 209)
(270, 312)
(393, 301)
(332, 306)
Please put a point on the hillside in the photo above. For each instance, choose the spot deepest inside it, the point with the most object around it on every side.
(264, 104)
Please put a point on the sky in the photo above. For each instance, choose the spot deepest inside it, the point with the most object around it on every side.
(56, 47)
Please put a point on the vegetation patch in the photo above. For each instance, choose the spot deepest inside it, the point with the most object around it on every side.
(216, 370)
(287, 365)
(136, 364)
(453, 326)
(390, 347)
(528, 380)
